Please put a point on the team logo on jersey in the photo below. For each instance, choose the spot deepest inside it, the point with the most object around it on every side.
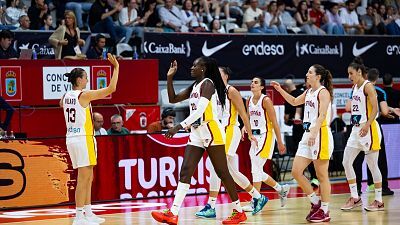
(11, 83)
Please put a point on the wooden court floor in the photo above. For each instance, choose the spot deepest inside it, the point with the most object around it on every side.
(293, 213)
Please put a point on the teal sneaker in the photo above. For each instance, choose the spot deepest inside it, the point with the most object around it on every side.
(370, 188)
(259, 204)
(207, 212)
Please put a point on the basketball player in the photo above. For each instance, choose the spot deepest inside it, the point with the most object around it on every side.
(81, 144)
(365, 136)
(207, 134)
(233, 108)
(265, 128)
(316, 146)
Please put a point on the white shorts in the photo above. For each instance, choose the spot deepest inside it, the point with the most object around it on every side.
(322, 148)
(82, 151)
(233, 136)
(266, 144)
(208, 134)
(371, 141)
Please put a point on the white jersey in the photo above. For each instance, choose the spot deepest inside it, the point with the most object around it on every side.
(211, 113)
(77, 118)
(229, 113)
(258, 116)
(361, 108)
(311, 109)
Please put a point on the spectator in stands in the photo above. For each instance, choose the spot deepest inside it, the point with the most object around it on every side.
(392, 27)
(350, 19)
(372, 22)
(253, 18)
(6, 49)
(303, 19)
(287, 19)
(189, 17)
(7, 107)
(96, 51)
(166, 122)
(79, 7)
(98, 122)
(24, 23)
(66, 40)
(100, 20)
(35, 12)
(117, 126)
(392, 97)
(213, 5)
(215, 27)
(128, 18)
(273, 20)
(172, 18)
(13, 13)
(333, 17)
(151, 18)
(319, 18)
(47, 22)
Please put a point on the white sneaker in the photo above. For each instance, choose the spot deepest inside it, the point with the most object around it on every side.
(95, 219)
(249, 207)
(283, 194)
(82, 221)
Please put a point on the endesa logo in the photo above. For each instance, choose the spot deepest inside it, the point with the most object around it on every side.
(313, 49)
(393, 49)
(263, 49)
(167, 48)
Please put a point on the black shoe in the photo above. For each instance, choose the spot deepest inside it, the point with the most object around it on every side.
(386, 192)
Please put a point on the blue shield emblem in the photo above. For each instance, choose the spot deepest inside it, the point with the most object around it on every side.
(11, 86)
(101, 82)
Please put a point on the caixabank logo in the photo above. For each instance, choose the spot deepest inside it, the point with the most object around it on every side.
(151, 47)
(305, 48)
(12, 175)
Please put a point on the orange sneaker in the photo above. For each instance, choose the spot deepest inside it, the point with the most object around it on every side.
(165, 216)
(236, 218)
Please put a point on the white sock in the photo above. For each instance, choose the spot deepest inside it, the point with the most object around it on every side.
(378, 194)
(313, 198)
(277, 187)
(254, 193)
(79, 212)
(353, 190)
(212, 201)
(237, 206)
(325, 206)
(88, 210)
(180, 194)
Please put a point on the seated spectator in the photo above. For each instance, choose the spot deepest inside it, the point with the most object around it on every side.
(273, 21)
(372, 22)
(303, 19)
(213, 5)
(6, 49)
(128, 18)
(24, 23)
(100, 20)
(392, 27)
(117, 126)
(35, 12)
(13, 13)
(350, 19)
(215, 27)
(334, 19)
(166, 122)
(96, 51)
(66, 39)
(319, 18)
(287, 20)
(98, 122)
(47, 22)
(171, 17)
(190, 18)
(79, 7)
(253, 18)
(151, 18)
(9, 112)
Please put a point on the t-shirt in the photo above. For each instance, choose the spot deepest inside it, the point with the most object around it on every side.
(113, 132)
(318, 16)
(154, 127)
(96, 11)
(9, 53)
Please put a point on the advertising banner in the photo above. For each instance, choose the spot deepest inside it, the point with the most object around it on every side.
(272, 56)
(10, 82)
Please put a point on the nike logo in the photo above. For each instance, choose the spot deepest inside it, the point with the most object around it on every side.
(210, 51)
(360, 51)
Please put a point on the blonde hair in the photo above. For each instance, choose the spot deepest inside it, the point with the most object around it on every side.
(70, 14)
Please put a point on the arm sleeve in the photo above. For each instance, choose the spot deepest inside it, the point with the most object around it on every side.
(201, 107)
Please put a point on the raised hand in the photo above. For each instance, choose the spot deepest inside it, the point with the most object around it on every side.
(276, 85)
(172, 69)
(112, 60)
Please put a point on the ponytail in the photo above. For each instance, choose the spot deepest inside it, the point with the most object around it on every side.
(326, 78)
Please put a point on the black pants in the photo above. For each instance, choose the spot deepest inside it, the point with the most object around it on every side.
(9, 112)
(382, 164)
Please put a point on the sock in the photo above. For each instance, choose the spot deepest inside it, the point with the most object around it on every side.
(378, 194)
(254, 193)
(353, 190)
(79, 212)
(212, 201)
(325, 206)
(179, 196)
(88, 210)
(236, 205)
(313, 198)
(277, 187)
